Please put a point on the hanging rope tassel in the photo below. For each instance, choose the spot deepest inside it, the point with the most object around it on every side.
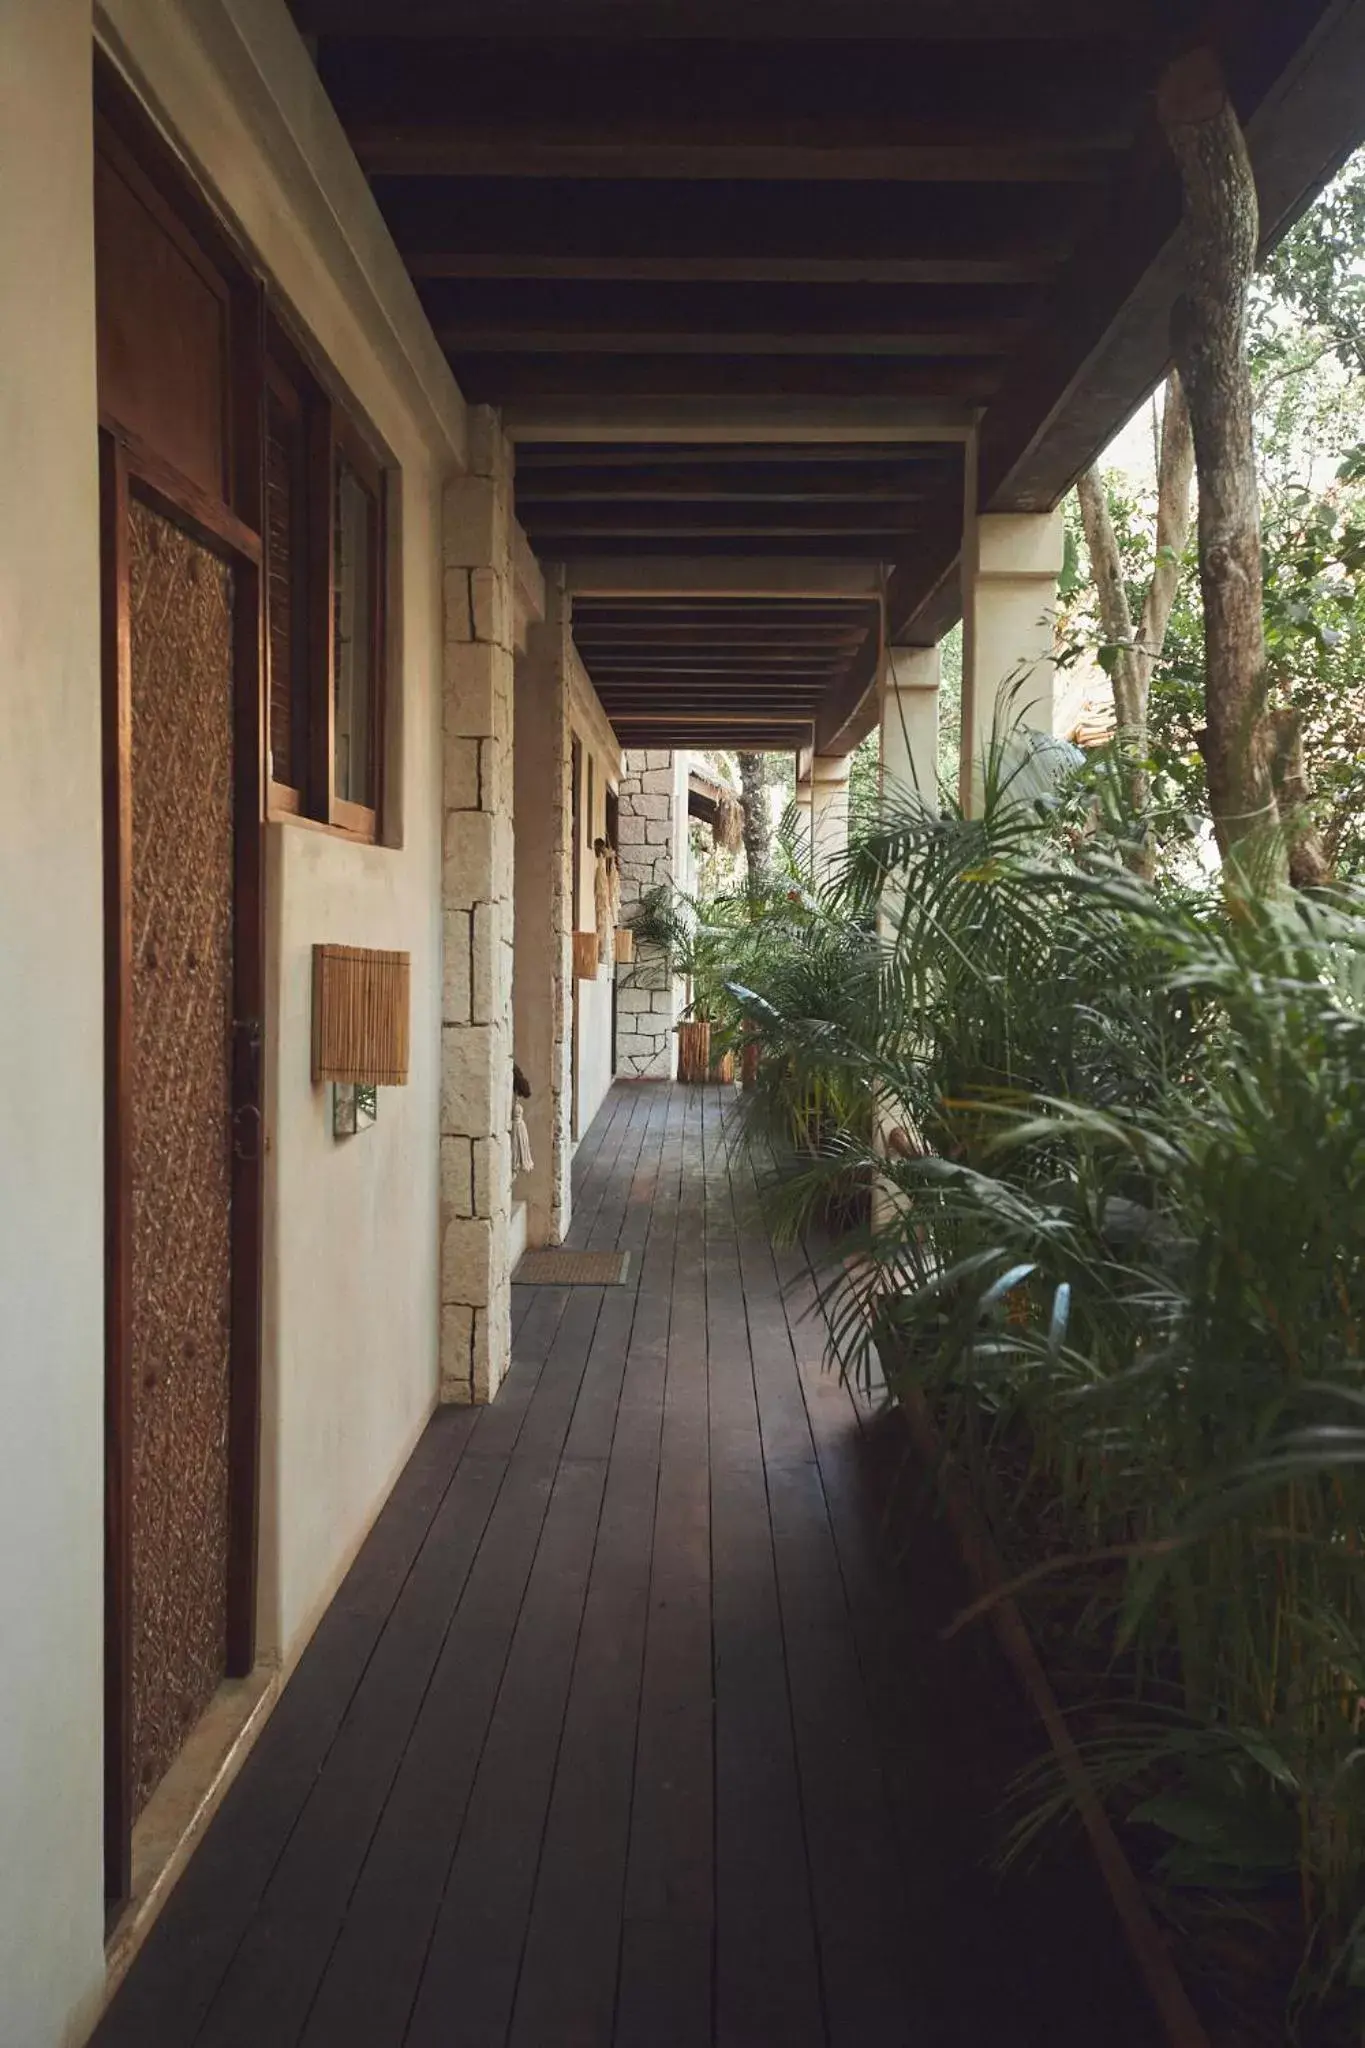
(522, 1161)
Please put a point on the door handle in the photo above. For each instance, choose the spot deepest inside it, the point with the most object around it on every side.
(246, 1131)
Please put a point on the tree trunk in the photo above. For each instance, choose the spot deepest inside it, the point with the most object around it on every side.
(1136, 655)
(1310, 866)
(758, 831)
(1208, 332)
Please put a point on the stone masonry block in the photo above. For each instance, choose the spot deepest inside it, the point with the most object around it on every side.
(658, 779)
(461, 774)
(467, 1080)
(491, 607)
(493, 1177)
(653, 807)
(631, 831)
(455, 991)
(457, 1354)
(487, 918)
(491, 1348)
(658, 831)
(475, 527)
(472, 679)
(467, 1261)
(458, 618)
(486, 447)
(468, 859)
(457, 1178)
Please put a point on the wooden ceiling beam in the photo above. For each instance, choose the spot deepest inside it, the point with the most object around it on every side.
(988, 339)
(651, 221)
(790, 422)
(547, 523)
(877, 552)
(538, 463)
(740, 576)
(513, 380)
(771, 485)
(1020, 268)
(784, 151)
(927, 23)
(749, 640)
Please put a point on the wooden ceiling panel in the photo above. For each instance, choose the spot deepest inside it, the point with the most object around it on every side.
(745, 275)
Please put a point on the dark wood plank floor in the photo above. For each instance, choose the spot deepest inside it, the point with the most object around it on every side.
(631, 1727)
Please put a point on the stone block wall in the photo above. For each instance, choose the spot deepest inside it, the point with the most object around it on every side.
(477, 902)
(647, 996)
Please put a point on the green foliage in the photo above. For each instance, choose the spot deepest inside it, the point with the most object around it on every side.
(1307, 347)
(1121, 1247)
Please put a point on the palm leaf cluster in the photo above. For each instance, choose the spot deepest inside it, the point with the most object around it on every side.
(1118, 1143)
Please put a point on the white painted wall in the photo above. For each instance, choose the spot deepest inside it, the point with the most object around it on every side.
(597, 743)
(51, 1036)
(594, 1047)
(350, 1368)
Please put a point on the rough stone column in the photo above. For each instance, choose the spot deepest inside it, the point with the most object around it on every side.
(1010, 565)
(829, 809)
(909, 721)
(542, 1001)
(478, 877)
(646, 992)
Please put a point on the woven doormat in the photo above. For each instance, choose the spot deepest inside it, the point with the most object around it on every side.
(552, 1268)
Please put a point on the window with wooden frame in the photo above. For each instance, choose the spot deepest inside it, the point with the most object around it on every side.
(325, 576)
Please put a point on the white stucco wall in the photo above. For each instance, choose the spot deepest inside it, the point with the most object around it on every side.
(351, 1293)
(51, 1036)
(594, 1047)
(598, 747)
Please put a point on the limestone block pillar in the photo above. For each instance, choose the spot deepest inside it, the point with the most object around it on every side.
(1010, 565)
(828, 810)
(909, 722)
(477, 896)
(652, 825)
(542, 985)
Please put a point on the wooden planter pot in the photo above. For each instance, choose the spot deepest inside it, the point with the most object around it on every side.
(748, 1065)
(694, 1051)
(723, 1068)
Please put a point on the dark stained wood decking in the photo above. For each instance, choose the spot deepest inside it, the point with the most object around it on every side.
(630, 1727)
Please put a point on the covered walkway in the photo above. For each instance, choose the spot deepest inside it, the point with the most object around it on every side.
(631, 1725)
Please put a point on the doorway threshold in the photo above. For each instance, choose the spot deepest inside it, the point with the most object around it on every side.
(175, 1817)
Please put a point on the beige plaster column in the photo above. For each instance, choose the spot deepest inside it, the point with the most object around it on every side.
(543, 749)
(478, 870)
(909, 764)
(829, 810)
(805, 807)
(1010, 565)
(909, 721)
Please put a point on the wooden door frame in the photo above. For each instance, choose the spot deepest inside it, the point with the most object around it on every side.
(127, 470)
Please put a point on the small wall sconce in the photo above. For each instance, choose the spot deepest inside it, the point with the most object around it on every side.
(361, 1029)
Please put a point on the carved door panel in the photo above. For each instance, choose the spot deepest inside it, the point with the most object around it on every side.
(180, 613)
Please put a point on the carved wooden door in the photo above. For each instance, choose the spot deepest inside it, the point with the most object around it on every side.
(180, 608)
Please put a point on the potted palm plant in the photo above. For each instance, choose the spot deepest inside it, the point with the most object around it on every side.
(698, 950)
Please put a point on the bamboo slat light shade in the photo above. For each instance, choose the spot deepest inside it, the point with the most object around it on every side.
(361, 1025)
(625, 945)
(586, 956)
